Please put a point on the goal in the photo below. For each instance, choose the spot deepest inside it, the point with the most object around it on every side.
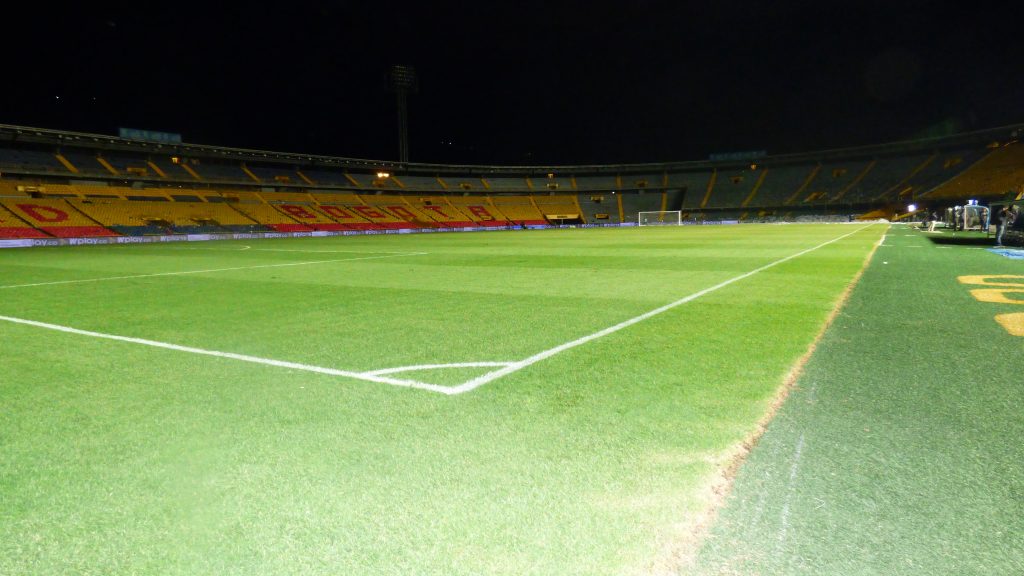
(660, 218)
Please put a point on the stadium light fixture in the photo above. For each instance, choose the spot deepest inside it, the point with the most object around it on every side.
(383, 175)
(911, 207)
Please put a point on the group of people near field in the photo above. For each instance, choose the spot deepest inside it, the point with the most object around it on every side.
(1004, 218)
(1007, 216)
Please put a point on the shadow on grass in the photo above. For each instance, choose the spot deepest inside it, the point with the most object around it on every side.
(962, 239)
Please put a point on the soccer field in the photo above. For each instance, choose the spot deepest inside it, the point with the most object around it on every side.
(539, 402)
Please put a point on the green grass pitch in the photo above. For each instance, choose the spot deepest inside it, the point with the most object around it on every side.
(593, 452)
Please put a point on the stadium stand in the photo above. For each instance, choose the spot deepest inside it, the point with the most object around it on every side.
(308, 214)
(84, 162)
(219, 171)
(138, 218)
(694, 186)
(551, 183)
(300, 196)
(946, 166)
(505, 184)
(421, 184)
(11, 189)
(29, 161)
(830, 182)
(328, 178)
(599, 207)
(394, 205)
(72, 183)
(129, 165)
(558, 207)
(881, 178)
(13, 227)
(1000, 173)
(732, 187)
(633, 204)
(171, 170)
(271, 218)
(55, 217)
(519, 210)
(479, 209)
(653, 182)
(466, 184)
(595, 183)
(780, 184)
(274, 175)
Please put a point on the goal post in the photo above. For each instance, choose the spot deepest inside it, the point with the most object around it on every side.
(660, 218)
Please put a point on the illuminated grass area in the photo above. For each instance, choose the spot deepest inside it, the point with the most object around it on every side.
(119, 456)
(899, 451)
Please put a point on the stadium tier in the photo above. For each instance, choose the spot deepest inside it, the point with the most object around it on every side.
(55, 217)
(137, 218)
(440, 212)
(68, 184)
(520, 210)
(13, 227)
(479, 209)
(272, 218)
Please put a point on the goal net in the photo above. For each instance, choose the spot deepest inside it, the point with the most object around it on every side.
(660, 218)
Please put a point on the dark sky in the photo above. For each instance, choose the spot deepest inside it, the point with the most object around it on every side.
(519, 82)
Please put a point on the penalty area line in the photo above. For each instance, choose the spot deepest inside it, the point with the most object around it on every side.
(208, 270)
(369, 377)
(516, 366)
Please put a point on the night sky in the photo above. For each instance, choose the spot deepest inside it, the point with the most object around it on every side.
(519, 82)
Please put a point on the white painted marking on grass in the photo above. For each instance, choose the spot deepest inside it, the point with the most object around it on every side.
(784, 516)
(416, 367)
(380, 376)
(234, 356)
(182, 273)
(330, 251)
(516, 366)
(227, 249)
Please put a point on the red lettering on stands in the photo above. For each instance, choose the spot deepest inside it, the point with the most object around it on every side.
(36, 212)
(297, 211)
(481, 212)
(369, 212)
(402, 212)
(337, 212)
(437, 210)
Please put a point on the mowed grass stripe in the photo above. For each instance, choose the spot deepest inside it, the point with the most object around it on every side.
(588, 463)
(505, 369)
(898, 452)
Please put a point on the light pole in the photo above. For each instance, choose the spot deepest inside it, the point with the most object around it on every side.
(403, 83)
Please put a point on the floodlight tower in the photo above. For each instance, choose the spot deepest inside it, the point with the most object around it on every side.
(403, 83)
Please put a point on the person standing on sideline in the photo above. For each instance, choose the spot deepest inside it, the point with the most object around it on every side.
(932, 221)
(1006, 218)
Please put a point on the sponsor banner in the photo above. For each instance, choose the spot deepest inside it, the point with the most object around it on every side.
(26, 243)
(135, 239)
(15, 243)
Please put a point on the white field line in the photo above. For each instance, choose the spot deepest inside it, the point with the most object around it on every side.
(226, 249)
(790, 485)
(182, 273)
(233, 356)
(380, 376)
(416, 367)
(516, 366)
